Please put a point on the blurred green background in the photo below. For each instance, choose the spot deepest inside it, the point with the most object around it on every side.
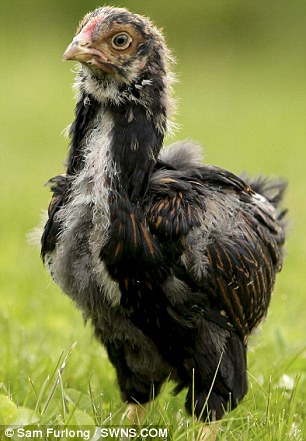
(242, 94)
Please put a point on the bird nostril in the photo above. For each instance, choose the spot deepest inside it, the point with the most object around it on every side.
(82, 40)
(84, 43)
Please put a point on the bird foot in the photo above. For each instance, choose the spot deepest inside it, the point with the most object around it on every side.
(135, 412)
(208, 433)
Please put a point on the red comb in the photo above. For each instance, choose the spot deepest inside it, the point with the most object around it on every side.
(89, 27)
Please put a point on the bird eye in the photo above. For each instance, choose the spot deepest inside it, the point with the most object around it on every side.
(121, 41)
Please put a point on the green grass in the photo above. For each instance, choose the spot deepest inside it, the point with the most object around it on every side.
(247, 106)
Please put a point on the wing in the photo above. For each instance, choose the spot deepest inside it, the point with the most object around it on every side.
(59, 185)
(229, 237)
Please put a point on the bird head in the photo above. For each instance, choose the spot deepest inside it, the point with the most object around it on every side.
(114, 44)
(125, 71)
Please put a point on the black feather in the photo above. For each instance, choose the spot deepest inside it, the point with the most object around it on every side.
(84, 115)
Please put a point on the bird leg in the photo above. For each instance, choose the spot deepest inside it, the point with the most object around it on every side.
(208, 432)
(135, 412)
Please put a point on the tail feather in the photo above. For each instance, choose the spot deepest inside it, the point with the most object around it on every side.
(271, 188)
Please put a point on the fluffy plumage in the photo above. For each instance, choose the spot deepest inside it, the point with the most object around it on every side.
(173, 261)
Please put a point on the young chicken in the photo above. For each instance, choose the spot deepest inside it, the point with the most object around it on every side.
(173, 261)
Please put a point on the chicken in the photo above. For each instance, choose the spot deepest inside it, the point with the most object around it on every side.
(172, 261)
